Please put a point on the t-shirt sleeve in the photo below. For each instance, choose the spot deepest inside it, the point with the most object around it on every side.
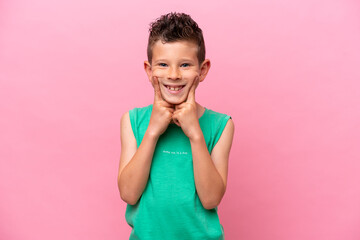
(220, 128)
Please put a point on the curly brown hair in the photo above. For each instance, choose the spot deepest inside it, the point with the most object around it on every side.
(173, 27)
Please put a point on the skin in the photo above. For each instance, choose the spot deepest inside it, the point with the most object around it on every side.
(175, 63)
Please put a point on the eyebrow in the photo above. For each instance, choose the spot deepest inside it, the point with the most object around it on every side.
(182, 59)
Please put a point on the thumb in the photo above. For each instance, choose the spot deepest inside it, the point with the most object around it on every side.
(191, 95)
(157, 93)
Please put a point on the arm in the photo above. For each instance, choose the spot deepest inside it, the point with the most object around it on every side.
(210, 172)
(135, 163)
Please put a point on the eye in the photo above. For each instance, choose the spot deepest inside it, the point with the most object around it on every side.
(162, 64)
(185, 64)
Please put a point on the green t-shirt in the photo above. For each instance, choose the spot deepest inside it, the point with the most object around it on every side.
(170, 208)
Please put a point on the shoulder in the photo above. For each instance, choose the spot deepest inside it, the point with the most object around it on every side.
(134, 118)
(216, 113)
(124, 118)
(224, 126)
(230, 126)
(140, 110)
(228, 132)
(143, 108)
(223, 119)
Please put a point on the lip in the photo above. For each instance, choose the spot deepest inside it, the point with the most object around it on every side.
(174, 85)
(174, 92)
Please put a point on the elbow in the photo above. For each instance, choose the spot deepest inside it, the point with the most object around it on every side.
(213, 202)
(211, 205)
(128, 200)
(126, 197)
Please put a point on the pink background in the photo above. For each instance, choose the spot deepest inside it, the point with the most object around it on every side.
(286, 71)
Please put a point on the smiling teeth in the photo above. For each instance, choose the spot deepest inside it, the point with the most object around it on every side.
(174, 89)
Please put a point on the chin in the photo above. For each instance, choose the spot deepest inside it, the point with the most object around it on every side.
(174, 101)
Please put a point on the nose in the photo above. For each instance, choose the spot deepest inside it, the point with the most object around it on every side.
(174, 73)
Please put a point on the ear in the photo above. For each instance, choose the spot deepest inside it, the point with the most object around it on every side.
(148, 70)
(204, 69)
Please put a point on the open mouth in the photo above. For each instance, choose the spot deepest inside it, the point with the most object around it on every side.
(174, 88)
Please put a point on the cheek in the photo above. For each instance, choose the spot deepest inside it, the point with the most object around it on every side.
(190, 74)
(159, 73)
(190, 77)
(186, 75)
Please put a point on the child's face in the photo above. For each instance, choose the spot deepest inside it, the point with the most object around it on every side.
(175, 64)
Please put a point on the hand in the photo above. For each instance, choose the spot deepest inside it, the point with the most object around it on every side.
(162, 111)
(185, 114)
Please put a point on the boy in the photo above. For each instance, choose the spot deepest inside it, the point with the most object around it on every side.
(167, 177)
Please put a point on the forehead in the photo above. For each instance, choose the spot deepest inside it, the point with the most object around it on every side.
(173, 50)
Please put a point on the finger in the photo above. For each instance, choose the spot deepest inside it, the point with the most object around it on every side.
(177, 123)
(191, 95)
(171, 110)
(180, 106)
(156, 85)
(175, 120)
(168, 105)
(158, 96)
